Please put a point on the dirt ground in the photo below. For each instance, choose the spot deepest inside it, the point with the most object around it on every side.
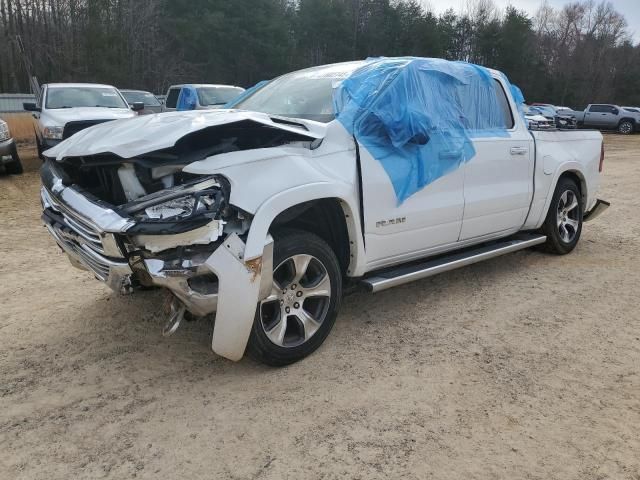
(523, 367)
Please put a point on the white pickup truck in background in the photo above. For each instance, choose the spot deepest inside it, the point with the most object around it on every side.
(63, 109)
(265, 214)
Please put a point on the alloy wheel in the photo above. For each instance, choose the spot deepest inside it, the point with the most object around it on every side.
(568, 216)
(298, 303)
(626, 128)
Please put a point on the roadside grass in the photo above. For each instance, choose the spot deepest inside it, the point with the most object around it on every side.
(21, 126)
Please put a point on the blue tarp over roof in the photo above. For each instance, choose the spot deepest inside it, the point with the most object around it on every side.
(188, 99)
(418, 116)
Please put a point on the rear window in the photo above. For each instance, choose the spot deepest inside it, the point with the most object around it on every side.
(172, 98)
(214, 96)
(503, 102)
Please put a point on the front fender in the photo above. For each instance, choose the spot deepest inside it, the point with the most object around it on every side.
(271, 208)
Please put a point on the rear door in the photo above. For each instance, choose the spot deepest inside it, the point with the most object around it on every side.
(498, 179)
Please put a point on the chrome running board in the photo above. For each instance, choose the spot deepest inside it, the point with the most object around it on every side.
(389, 278)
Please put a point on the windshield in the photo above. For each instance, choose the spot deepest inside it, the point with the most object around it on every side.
(544, 110)
(69, 97)
(305, 94)
(217, 95)
(149, 99)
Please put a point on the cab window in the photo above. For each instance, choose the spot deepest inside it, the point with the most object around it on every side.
(172, 98)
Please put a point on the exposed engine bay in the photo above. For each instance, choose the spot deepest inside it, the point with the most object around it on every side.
(118, 181)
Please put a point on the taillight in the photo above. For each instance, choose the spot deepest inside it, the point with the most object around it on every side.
(601, 158)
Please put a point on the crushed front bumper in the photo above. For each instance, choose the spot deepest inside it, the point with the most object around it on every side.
(206, 279)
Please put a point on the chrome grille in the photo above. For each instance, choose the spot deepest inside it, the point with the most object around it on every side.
(79, 252)
(86, 232)
(89, 235)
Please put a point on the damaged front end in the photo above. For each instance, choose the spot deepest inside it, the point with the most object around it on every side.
(143, 222)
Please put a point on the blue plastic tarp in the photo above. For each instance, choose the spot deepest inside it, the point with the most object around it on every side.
(246, 94)
(188, 99)
(418, 116)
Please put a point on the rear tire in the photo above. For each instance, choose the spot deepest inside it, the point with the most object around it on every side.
(15, 167)
(626, 127)
(297, 317)
(563, 224)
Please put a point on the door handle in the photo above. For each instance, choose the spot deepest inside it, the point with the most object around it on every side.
(519, 150)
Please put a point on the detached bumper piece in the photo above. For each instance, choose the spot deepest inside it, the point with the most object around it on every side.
(597, 210)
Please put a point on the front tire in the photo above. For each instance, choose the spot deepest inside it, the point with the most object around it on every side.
(563, 225)
(296, 318)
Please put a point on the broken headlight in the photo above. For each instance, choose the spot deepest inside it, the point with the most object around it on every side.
(182, 207)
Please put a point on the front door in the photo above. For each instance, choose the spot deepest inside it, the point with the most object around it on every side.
(428, 219)
(603, 116)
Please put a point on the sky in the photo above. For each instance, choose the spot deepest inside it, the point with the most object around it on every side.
(629, 8)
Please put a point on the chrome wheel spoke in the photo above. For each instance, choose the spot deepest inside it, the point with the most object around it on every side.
(301, 263)
(310, 324)
(276, 334)
(563, 200)
(274, 296)
(572, 223)
(572, 204)
(320, 289)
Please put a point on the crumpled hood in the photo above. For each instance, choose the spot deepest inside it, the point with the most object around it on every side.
(144, 134)
(61, 116)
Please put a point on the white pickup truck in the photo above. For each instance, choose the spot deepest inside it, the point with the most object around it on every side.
(63, 109)
(370, 174)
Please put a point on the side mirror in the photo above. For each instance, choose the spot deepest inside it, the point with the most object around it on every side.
(615, 111)
(137, 106)
(31, 107)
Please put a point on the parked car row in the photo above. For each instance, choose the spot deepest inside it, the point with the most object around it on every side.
(624, 120)
(63, 109)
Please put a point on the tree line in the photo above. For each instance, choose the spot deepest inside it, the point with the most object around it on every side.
(579, 54)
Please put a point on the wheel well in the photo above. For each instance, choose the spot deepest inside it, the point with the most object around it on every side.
(580, 182)
(324, 218)
(627, 119)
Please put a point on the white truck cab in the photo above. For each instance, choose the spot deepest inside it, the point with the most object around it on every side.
(199, 96)
(63, 109)
(346, 175)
